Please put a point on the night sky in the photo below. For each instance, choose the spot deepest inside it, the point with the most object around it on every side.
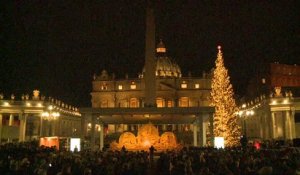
(56, 46)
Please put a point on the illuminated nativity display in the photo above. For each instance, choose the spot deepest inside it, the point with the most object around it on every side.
(147, 136)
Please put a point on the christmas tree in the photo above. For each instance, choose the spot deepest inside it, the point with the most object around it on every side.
(225, 118)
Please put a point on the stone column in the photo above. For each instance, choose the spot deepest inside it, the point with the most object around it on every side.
(22, 129)
(261, 135)
(284, 126)
(211, 128)
(0, 128)
(195, 133)
(11, 120)
(93, 132)
(293, 130)
(125, 127)
(267, 129)
(41, 126)
(83, 129)
(52, 124)
(101, 141)
(164, 127)
(272, 127)
(58, 126)
(202, 132)
(173, 127)
(287, 122)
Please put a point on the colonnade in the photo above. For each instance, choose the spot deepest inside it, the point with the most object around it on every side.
(283, 125)
(22, 127)
(41, 126)
(276, 124)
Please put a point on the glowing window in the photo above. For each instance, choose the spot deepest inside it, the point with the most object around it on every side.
(120, 87)
(263, 81)
(133, 103)
(104, 87)
(184, 102)
(133, 85)
(197, 86)
(160, 50)
(170, 103)
(160, 102)
(183, 85)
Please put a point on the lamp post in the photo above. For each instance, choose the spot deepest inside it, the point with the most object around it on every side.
(50, 116)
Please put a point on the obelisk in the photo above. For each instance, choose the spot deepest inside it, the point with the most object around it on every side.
(150, 63)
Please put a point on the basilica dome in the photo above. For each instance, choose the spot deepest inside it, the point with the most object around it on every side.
(165, 66)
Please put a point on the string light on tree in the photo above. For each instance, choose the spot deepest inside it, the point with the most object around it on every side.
(225, 119)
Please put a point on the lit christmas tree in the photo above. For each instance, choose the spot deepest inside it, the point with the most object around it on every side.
(225, 118)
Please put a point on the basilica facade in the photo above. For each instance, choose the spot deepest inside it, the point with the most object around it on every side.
(171, 89)
(160, 95)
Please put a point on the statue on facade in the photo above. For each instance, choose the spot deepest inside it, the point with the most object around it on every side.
(278, 92)
(36, 94)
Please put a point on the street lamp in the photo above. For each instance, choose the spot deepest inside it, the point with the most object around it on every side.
(50, 116)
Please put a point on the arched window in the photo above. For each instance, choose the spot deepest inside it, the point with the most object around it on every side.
(160, 102)
(104, 86)
(170, 103)
(133, 103)
(184, 102)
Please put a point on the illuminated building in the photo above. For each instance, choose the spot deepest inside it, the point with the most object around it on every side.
(160, 95)
(272, 106)
(34, 117)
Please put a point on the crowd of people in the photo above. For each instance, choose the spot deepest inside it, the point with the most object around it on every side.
(233, 161)
(29, 158)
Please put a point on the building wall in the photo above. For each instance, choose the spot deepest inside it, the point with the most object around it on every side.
(170, 92)
(273, 118)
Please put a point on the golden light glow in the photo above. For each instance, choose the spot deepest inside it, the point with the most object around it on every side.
(45, 114)
(50, 107)
(133, 103)
(146, 115)
(286, 101)
(251, 112)
(133, 86)
(120, 87)
(148, 135)
(274, 102)
(39, 105)
(197, 86)
(160, 102)
(241, 113)
(161, 50)
(5, 104)
(146, 143)
(28, 104)
(50, 116)
(184, 102)
(98, 127)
